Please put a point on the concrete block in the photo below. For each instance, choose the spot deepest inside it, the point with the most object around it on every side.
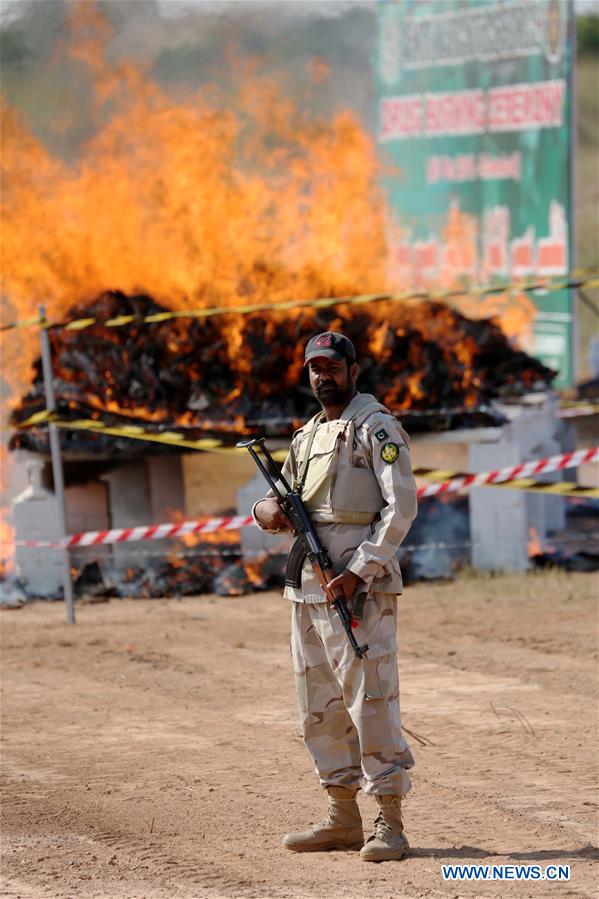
(498, 518)
(211, 482)
(35, 517)
(167, 496)
(502, 520)
(86, 508)
(130, 506)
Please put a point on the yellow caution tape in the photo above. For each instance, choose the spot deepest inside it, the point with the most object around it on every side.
(437, 474)
(76, 325)
(37, 419)
(23, 323)
(138, 432)
(580, 277)
(555, 488)
(213, 445)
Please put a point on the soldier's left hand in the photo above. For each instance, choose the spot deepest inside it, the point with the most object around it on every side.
(347, 583)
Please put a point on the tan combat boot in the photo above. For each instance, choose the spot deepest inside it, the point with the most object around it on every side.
(341, 830)
(388, 840)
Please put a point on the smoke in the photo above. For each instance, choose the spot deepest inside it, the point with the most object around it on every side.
(442, 528)
(319, 54)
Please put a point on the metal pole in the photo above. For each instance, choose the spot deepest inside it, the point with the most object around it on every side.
(56, 465)
(577, 363)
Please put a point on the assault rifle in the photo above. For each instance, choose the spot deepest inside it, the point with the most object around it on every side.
(307, 542)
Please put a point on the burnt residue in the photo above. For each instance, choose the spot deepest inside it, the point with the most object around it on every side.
(235, 374)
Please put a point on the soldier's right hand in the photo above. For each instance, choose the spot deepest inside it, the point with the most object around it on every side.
(271, 516)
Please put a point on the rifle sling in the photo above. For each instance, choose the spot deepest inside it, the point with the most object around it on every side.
(301, 478)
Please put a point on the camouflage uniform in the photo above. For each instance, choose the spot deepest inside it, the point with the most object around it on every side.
(360, 492)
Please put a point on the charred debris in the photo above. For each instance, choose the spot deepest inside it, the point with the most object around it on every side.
(229, 375)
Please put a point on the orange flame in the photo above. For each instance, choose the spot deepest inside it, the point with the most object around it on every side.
(535, 547)
(198, 202)
(178, 517)
(203, 201)
(7, 547)
(253, 569)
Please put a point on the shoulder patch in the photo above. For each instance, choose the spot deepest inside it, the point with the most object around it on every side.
(381, 435)
(390, 452)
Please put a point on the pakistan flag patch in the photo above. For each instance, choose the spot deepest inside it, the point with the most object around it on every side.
(390, 452)
(381, 435)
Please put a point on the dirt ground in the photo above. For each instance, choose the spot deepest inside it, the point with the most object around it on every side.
(153, 750)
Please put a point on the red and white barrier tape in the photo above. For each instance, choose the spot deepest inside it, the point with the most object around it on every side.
(151, 532)
(512, 472)
(234, 522)
(578, 410)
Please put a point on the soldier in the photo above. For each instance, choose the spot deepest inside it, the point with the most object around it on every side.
(351, 464)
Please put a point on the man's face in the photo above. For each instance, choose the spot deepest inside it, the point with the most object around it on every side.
(333, 383)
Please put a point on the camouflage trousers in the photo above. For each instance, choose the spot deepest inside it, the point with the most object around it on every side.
(349, 707)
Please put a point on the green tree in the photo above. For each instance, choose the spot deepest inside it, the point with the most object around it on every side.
(587, 34)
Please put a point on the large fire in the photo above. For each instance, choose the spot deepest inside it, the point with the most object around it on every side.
(211, 200)
(198, 202)
(201, 201)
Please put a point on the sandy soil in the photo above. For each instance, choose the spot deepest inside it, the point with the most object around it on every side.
(153, 749)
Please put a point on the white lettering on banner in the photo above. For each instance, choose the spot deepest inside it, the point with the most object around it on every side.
(489, 31)
(474, 167)
(552, 251)
(420, 262)
(523, 107)
(458, 112)
(401, 117)
(426, 257)
(523, 254)
(513, 107)
(388, 45)
(496, 232)
(549, 344)
(554, 316)
(504, 167)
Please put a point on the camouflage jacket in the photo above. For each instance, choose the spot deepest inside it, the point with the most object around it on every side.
(360, 492)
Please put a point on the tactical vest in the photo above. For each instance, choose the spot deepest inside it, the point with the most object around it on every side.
(334, 488)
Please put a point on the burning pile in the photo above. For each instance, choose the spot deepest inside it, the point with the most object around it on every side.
(207, 568)
(215, 198)
(234, 374)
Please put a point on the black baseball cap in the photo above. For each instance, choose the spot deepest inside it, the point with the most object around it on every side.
(331, 344)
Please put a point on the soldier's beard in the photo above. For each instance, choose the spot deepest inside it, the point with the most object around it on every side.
(329, 393)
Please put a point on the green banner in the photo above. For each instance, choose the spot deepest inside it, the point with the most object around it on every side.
(474, 117)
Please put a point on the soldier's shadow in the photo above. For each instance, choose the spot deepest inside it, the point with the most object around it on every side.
(467, 852)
